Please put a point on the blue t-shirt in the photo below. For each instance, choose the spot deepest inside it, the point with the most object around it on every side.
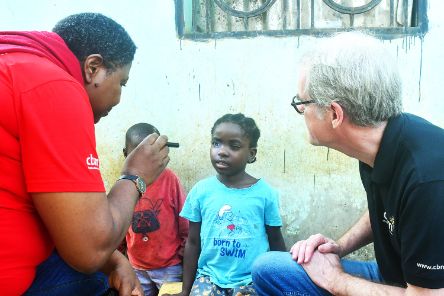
(232, 228)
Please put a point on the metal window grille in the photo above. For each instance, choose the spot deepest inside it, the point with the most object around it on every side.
(204, 19)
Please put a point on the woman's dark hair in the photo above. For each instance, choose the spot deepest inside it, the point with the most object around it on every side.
(94, 33)
(248, 125)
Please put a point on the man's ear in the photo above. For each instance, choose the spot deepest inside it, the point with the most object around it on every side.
(252, 156)
(337, 114)
(91, 66)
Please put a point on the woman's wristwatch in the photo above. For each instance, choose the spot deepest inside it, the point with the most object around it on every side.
(138, 181)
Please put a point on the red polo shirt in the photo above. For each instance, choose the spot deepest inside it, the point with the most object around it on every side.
(47, 145)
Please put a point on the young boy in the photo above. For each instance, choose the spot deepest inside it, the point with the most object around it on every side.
(157, 235)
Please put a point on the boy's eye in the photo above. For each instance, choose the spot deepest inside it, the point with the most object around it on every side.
(215, 144)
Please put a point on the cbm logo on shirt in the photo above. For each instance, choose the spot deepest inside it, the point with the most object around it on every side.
(92, 162)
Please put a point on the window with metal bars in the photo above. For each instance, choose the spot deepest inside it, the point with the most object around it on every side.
(204, 19)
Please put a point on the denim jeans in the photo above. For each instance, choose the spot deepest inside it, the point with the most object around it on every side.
(276, 273)
(152, 280)
(55, 277)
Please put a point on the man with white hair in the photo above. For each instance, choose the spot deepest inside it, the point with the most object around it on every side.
(349, 92)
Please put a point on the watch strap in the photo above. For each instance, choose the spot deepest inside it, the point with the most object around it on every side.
(138, 181)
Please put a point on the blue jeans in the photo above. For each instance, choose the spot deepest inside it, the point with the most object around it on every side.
(276, 273)
(55, 277)
(152, 280)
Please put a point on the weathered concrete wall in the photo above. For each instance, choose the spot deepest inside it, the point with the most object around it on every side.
(182, 87)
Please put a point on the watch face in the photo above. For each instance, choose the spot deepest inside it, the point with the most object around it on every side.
(141, 185)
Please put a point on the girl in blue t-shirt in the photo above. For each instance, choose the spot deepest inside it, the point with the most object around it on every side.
(233, 216)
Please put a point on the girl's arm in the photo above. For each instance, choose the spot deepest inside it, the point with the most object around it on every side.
(191, 256)
(275, 239)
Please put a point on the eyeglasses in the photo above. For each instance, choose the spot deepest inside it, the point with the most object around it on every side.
(299, 105)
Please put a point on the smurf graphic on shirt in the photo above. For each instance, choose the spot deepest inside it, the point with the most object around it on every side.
(229, 223)
(231, 233)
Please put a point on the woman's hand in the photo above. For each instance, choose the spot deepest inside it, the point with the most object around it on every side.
(121, 276)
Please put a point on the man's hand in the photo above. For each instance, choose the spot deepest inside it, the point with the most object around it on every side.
(148, 159)
(303, 250)
(323, 269)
